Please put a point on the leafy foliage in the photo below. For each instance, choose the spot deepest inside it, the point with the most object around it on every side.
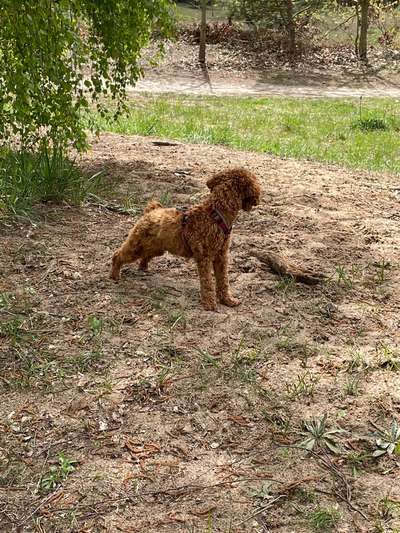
(317, 434)
(388, 441)
(57, 473)
(57, 57)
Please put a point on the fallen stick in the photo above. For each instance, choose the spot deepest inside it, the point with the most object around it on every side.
(283, 267)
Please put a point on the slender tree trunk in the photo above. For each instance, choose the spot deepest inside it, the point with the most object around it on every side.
(362, 47)
(357, 38)
(203, 32)
(290, 28)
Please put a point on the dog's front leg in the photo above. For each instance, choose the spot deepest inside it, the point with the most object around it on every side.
(221, 276)
(207, 288)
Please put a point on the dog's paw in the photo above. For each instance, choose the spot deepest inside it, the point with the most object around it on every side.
(210, 306)
(114, 276)
(230, 301)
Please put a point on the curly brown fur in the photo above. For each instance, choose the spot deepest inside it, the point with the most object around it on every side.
(162, 230)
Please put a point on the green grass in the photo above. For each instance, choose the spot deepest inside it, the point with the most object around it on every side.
(27, 178)
(327, 130)
(324, 518)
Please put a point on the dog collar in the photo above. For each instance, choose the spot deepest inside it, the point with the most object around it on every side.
(219, 219)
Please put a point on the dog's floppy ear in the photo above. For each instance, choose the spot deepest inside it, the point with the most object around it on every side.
(215, 180)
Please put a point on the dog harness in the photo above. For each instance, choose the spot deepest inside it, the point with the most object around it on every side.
(215, 214)
(218, 218)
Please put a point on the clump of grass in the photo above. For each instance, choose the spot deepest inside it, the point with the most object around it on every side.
(177, 318)
(352, 386)
(324, 518)
(381, 267)
(285, 284)
(358, 361)
(303, 386)
(344, 277)
(356, 461)
(388, 508)
(371, 124)
(389, 358)
(47, 175)
(244, 358)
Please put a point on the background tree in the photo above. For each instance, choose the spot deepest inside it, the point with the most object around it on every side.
(286, 15)
(203, 32)
(361, 40)
(56, 57)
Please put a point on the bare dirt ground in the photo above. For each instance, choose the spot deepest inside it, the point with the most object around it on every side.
(180, 419)
(244, 70)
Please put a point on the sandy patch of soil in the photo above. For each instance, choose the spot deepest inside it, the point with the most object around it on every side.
(177, 418)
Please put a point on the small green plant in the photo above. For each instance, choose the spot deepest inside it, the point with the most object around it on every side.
(285, 284)
(263, 492)
(388, 442)
(317, 435)
(57, 473)
(6, 300)
(243, 359)
(304, 386)
(208, 360)
(287, 343)
(305, 495)
(352, 386)
(343, 277)
(381, 268)
(130, 204)
(85, 360)
(388, 357)
(166, 199)
(388, 508)
(95, 325)
(280, 422)
(177, 318)
(13, 330)
(324, 518)
(357, 361)
(47, 175)
(357, 460)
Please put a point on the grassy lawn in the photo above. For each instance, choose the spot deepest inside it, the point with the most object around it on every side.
(328, 130)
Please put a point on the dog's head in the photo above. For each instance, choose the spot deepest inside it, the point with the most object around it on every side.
(240, 181)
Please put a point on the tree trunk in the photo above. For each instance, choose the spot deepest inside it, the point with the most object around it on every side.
(357, 38)
(203, 32)
(291, 29)
(362, 47)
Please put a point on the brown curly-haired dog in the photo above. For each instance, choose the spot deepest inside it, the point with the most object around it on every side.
(201, 232)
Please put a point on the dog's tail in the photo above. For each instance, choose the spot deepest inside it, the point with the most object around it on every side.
(152, 205)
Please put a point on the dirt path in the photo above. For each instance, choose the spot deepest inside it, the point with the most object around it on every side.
(278, 84)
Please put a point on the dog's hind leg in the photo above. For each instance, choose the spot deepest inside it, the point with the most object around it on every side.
(207, 288)
(221, 276)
